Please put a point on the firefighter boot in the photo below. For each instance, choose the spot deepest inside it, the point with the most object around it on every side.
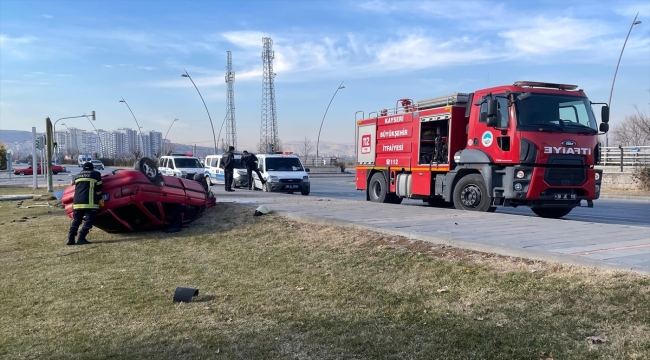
(71, 235)
(82, 237)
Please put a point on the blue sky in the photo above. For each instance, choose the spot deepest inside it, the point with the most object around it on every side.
(63, 58)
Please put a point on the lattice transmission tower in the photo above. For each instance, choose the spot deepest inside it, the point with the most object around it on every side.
(269, 127)
(231, 129)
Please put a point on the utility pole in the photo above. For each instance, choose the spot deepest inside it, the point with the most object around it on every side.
(34, 159)
(231, 134)
(49, 149)
(269, 126)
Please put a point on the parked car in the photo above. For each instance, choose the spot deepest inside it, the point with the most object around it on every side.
(98, 165)
(283, 172)
(214, 173)
(182, 166)
(30, 171)
(143, 199)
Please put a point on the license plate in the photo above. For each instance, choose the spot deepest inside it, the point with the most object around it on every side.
(565, 196)
(291, 186)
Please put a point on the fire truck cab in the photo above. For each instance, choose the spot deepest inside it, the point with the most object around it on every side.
(530, 143)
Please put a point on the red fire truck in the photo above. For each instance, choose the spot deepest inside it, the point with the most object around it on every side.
(530, 143)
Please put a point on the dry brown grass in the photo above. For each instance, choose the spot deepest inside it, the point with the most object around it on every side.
(271, 287)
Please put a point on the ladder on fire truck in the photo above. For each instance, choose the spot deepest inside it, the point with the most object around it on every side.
(455, 99)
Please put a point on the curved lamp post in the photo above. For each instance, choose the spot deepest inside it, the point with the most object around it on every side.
(136, 122)
(609, 103)
(170, 127)
(206, 109)
(321, 123)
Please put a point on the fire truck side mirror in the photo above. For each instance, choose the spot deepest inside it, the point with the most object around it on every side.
(492, 112)
(604, 127)
(604, 114)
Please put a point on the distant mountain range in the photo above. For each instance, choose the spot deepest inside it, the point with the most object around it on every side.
(325, 148)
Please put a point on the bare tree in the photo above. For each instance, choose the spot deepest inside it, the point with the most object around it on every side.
(306, 147)
(633, 131)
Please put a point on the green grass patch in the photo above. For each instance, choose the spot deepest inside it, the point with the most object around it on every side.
(272, 288)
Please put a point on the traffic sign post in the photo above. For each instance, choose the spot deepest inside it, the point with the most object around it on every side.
(49, 150)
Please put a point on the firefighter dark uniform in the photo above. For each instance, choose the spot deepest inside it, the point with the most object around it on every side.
(87, 195)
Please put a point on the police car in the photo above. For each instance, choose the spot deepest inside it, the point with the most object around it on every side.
(283, 172)
(214, 173)
(182, 166)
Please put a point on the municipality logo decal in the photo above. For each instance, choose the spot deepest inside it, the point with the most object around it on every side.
(487, 138)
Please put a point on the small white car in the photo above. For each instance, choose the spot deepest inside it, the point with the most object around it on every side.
(97, 165)
(283, 172)
(180, 166)
(214, 173)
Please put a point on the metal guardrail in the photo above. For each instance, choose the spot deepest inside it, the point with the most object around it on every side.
(625, 156)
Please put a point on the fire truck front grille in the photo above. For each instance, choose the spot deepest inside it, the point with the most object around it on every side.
(565, 176)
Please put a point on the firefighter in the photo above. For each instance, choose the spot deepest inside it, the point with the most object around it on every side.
(228, 166)
(250, 163)
(87, 198)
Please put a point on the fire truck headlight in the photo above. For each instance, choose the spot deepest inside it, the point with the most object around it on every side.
(597, 176)
(518, 186)
(597, 188)
(520, 174)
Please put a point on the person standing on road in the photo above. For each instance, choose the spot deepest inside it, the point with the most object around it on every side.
(87, 197)
(250, 162)
(228, 166)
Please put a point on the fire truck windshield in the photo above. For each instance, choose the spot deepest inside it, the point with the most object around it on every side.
(551, 112)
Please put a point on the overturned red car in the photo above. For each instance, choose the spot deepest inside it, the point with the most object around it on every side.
(143, 199)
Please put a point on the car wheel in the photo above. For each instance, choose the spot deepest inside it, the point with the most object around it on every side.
(55, 172)
(148, 167)
(305, 192)
(471, 193)
(22, 173)
(552, 213)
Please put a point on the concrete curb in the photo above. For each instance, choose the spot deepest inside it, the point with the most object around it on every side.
(625, 197)
(467, 245)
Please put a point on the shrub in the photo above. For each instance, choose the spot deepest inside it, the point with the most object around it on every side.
(641, 175)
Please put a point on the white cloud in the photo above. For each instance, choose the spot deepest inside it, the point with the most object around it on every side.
(245, 39)
(148, 68)
(544, 36)
(8, 40)
(45, 16)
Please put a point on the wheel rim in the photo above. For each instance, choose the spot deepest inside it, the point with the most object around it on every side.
(149, 171)
(470, 196)
(376, 189)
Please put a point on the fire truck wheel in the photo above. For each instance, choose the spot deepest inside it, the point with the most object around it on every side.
(378, 189)
(552, 213)
(471, 193)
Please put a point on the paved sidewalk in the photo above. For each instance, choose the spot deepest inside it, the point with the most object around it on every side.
(574, 242)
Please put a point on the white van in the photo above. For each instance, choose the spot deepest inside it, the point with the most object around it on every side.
(82, 159)
(184, 166)
(283, 172)
(214, 173)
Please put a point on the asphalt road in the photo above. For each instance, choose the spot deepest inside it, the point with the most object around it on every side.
(605, 211)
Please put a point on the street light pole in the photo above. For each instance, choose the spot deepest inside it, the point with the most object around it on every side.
(321, 123)
(187, 75)
(170, 127)
(609, 103)
(101, 152)
(136, 122)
